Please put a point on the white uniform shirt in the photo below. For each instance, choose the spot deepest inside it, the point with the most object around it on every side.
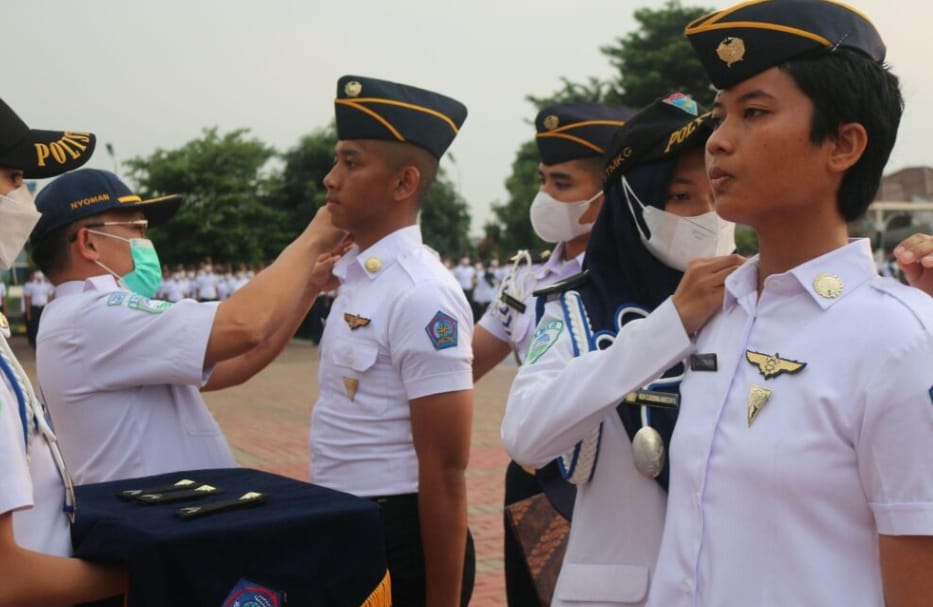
(787, 511)
(39, 291)
(120, 374)
(30, 487)
(516, 328)
(557, 399)
(485, 290)
(412, 339)
(207, 285)
(466, 276)
(174, 289)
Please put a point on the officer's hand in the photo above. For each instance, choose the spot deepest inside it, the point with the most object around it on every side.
(322, 278)
(915, 258)
(323, 232)
(700, 292)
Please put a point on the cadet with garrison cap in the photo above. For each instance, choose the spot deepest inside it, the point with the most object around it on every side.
(801, 471)
(36, 494)
(612, 334)
(122, 373)
(572, 139)
(392, 422)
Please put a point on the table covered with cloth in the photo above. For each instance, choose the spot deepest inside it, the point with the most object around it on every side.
(308, 544)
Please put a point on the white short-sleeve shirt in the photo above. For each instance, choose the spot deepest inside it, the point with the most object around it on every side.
(121, 374)
(787, 510)
(399, 329)
(30, 487)
(515, 327)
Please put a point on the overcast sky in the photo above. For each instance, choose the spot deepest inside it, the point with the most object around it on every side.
(148, 75)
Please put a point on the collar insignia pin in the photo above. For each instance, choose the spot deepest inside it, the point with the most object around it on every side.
(757, 398)
(828, 285)
(372, 264)
(772, 365)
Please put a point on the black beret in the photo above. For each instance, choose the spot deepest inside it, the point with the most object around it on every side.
(570, 131)
(367, 108)
(38, 153)
(736, 43)
(668, 126)
(88, 192)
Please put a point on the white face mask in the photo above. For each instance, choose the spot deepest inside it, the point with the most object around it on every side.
(675, 240)
(18, 216)
(556, 221)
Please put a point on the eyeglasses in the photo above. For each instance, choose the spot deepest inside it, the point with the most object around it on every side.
(140, 224)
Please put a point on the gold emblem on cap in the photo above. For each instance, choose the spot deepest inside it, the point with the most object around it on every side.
(828, 285)
(373, 264)
(757, 398)
(731, 50)
(350, 384)
(551, 122)
(353, 88)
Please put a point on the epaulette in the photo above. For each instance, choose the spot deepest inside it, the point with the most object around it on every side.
(575, 281)
(540, 256)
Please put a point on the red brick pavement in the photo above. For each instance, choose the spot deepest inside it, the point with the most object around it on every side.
(267, 421)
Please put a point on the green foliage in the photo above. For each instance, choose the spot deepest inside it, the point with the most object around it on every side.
(511, 230)
(746, 240)
(656, 58)
(445, 219)
(225, 214)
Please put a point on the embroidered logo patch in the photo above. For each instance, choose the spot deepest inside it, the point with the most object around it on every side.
(251, 594)
(443, 331)
(545, 336)
(144, 304)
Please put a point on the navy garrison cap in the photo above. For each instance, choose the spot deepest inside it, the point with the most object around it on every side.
(88, 192)
(40, 154)
(367, 108)
(667, 127)
(570, 131)
(736, 43)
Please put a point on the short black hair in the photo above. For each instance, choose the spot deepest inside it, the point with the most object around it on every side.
(50, 252)
(847, 86)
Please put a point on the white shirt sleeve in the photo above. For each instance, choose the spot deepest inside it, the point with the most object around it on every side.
(557, 398)
(429, 362)
(137, 341)
(15, 482)
(893, 446)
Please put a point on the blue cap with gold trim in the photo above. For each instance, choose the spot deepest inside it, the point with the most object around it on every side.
(570, 131)
(38, 153)
(89, 192)
(368, 108)
(736, 43)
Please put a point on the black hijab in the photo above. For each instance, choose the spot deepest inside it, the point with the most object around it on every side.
(620, 269)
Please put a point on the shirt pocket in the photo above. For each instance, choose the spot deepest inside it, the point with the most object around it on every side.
(359, 376)
(614, 584)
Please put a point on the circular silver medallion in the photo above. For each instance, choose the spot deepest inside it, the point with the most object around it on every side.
(648, 449)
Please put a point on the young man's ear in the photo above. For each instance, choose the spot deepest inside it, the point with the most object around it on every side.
(83, 245)
(847, 147)
(409, 180)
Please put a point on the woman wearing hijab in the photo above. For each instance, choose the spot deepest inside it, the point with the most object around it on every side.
(611, 341)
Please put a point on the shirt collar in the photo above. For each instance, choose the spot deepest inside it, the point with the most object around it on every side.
(848, 267)
(387, 250)
(101, 282)
(555, 262)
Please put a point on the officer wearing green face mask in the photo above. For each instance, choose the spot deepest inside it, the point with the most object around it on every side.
(122, 372)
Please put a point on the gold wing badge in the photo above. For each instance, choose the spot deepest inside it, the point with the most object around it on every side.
(354, 321)
(772, 365)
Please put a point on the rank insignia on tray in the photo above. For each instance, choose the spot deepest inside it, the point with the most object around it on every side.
(442, 330)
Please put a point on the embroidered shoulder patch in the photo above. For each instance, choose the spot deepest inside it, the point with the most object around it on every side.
(138, 302)
(116, 299)
(247, 593)
(545, 336)
(442, 330)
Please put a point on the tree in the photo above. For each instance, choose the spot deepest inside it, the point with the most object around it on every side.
(652, 61)
(225, 214)
(656, 58)
(445, 218)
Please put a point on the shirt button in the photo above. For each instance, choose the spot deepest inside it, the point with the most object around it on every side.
(688, 586)
(697, 499)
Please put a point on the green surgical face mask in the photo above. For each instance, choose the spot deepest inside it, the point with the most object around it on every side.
(147, 271)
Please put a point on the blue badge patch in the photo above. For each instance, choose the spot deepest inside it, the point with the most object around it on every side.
(116, 299)
(545, 336)
(443, 331)
(251, 594)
